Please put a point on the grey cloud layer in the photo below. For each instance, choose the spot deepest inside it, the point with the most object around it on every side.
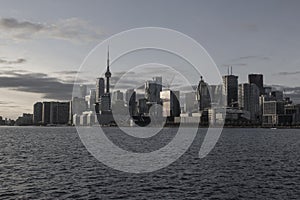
(72, 29)
(9, 62)
(26, 81)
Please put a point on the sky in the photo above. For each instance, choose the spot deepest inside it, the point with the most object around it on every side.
(43, 43)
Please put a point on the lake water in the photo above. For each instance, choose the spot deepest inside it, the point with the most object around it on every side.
(52, 163)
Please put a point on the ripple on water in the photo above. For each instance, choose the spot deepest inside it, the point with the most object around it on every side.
(49, 163)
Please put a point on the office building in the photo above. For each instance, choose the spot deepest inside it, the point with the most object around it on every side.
(249, 100)
(203, 96)
(258, 80)
(105, 102)
(277, 95)
(99, 88)
(153, 89)
(170, 101)
(230, 90)
(274, 114)
(130, 101)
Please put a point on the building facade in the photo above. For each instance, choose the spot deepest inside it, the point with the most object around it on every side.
(230, 90)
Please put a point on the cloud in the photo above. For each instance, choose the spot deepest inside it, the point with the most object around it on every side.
(72, 29)
(32, 82)
(287, 73)
(251, 57)
(5, 103)
(67, 72)
(9, 62)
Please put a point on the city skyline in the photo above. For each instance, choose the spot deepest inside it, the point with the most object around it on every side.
(240, 96)
(41, 52)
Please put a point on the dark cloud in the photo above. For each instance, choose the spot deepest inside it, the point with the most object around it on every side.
(49, 87)
(67, 72)
(9, 62)
(11, 23)
(72, 29)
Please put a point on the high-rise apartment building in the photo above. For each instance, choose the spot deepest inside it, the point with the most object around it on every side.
(230, 89)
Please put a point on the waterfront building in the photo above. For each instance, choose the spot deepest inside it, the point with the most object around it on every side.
(105, 102)
(99, 88)
(130, 101)
(248, 99)
(142, 106)
(203, 96)
(274, 114)
(230, 90)
(46, 113)
(37, 113)
(153, 89)
(277, 95)
(25, 120)
(170, 102)
(258, 80)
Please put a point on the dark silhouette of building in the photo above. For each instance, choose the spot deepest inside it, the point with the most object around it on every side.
(258, 80)
(37, 113)
(203, 96)
(46, 113)
(99, 88)
(153, 89)
(171, 105)
(230, 84)
(55, 113)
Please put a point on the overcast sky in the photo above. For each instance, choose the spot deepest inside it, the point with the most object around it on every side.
(43, 43)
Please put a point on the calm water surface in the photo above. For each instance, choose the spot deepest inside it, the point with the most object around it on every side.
(52, 163)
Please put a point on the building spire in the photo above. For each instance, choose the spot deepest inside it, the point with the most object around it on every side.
(107, 57)
(107, 73)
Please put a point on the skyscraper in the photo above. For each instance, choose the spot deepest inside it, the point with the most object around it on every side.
(46, 113)
(230, 89)
(203, 96)
(258, 80)
(99, 88)
(249, 100)
(171, 105)
(153, 89)
(37, 113)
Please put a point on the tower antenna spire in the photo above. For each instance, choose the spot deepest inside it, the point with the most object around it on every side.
(108, 56)
(107, 73)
